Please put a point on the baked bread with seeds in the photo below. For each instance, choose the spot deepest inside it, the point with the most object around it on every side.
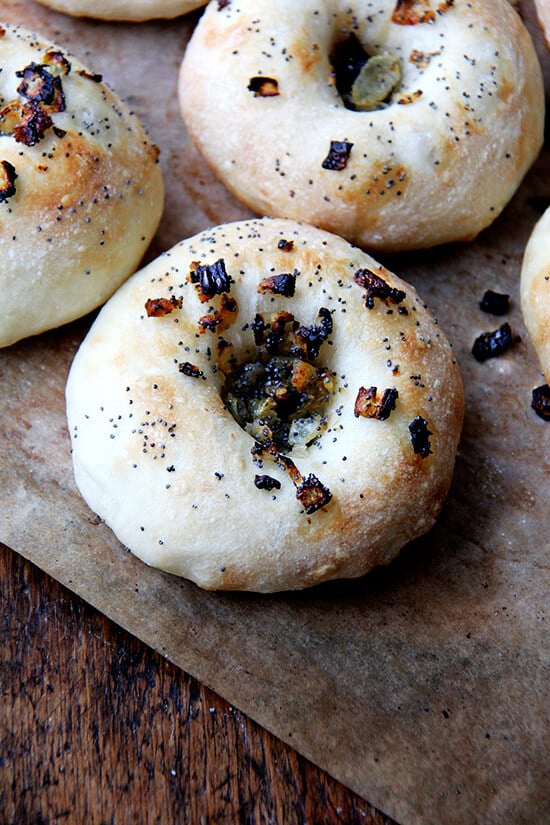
(398, 125)
(265, 407)
(81, 190)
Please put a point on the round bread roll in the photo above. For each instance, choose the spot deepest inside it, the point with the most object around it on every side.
(124, 10)
(397, 126)
(535, 291)
(81, 191)
(265, 407)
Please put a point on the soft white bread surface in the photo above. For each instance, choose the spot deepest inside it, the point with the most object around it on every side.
(535, 290)
(81, 191)
(124, 10)
(159, 456)
(543, 15)
(259, 97)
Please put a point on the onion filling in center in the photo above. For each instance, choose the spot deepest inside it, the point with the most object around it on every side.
(365, 82)
(278, 395)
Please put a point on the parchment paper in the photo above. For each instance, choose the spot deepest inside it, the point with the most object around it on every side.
(425, 686)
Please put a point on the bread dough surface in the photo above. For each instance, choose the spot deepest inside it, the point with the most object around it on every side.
(535, 290)
(124, 10)
(543, 15)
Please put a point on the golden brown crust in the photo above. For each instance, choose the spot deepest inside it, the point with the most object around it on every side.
(158, 455)
(437, 164)
(124, 10)
(82, 191)
(535, 291)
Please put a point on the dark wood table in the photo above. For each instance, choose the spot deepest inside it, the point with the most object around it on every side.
(95, 727)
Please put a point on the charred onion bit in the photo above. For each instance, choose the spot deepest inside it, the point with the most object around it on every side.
(27, 123)
(284, 284)
(7, 180)
(314, 336)
(222, 4)
(338, 155)
(190, 369)
(376, 287)
(421, 59)
(33, 124)
(541, 401)
(264, 482)
(369, 405)
(40, 86)
(285, 336)
(286, 246)
(156, 307)
(411, 12)
(420, 436)
(497, 303)
(263, 86)
(312, 495)
(219, 319)
(274, 334)
(444, 6)
(95, 77)
(258, 329)
(491, 344)
(210, 322)
(348, 60)
(212, 279)
(410, 98)
(310, 492)
(57, 63)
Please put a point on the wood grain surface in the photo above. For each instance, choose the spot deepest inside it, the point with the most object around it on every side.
(97, 728)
